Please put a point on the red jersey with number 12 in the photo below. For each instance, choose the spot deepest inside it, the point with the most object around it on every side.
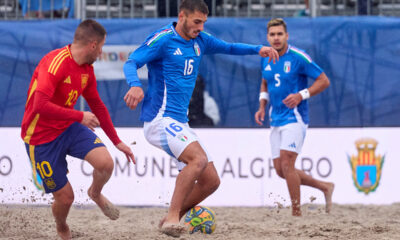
(56, 84)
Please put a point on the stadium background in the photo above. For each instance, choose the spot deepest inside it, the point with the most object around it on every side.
(360, 55)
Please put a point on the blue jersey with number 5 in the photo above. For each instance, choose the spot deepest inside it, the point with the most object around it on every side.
(288, 75)
(173, 64)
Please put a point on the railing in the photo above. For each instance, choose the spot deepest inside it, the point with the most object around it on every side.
(81, 9)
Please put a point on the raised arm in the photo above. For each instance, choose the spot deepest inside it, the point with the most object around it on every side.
(215, 45)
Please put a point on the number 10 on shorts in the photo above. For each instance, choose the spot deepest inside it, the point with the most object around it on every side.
(44, 169)
(173, 127)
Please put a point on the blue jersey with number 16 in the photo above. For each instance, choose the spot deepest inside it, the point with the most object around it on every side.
(289, 75)
(173, 64)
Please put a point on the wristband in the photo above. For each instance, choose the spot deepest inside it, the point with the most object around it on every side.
(264, 95)
(305, 94)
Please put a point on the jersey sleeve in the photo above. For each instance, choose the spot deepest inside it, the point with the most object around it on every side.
(214, 45)
(46, 85)
(46, 81)
(99, 109)
(149, 51)
(310, 68)
(262, 65)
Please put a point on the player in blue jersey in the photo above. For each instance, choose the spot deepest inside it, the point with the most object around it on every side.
(284, 85)
(173, 55)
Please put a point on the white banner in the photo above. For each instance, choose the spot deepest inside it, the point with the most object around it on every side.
(110, 65)
(363, 173)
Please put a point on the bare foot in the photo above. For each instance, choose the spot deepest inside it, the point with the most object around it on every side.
(328, 197)
(105, 205)
(173, 230)
(161, 223)
(63, 231)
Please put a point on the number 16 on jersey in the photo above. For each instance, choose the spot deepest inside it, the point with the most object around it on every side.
(188, 67)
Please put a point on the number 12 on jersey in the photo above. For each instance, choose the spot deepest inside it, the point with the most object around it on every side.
(188, 67)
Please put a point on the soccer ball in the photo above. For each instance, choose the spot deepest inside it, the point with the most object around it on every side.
(200, 219)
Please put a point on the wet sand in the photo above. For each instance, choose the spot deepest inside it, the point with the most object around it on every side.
(233, 223)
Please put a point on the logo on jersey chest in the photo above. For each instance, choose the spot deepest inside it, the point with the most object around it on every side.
(267, 68)
(178, 52)
(196, 48)
(68, 80)
(286, 67)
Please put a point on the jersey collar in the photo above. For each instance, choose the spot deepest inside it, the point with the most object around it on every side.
(173, 25)
(69, 50)
(288, 48)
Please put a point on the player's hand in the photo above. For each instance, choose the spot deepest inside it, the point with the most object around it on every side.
(90, 120)
(259, 116)
(127, 150)
(269, 52)
(292, 100)
(133, 97)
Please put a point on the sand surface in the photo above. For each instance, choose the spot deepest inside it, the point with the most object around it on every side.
(88, 222)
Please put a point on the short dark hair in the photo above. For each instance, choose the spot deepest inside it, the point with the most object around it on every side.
(191, 6)
(89, 30)
(276, 22)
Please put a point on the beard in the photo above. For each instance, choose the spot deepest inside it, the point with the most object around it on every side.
(186, 30)
(282, 48)
(90, 61)
(91, 58)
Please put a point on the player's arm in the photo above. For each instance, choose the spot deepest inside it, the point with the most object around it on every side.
(264, 98)
(147, 52)
(47, 83)
(321, 82)
(215, 45)
(99, 109)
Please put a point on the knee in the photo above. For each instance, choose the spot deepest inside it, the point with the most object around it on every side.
(107, 166)
(278, 168)
(214, 183)
(66, 199)
(200, 162)
(287, 167)
(69, 200)
(279, 172)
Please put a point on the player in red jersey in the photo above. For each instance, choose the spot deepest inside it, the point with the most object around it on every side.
(52, 128)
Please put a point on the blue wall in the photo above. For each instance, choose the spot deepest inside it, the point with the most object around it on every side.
(360, 55)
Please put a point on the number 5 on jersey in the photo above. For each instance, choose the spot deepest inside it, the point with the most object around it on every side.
(277, 79)
(188, 67)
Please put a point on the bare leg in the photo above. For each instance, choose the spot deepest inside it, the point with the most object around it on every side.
(305, 179)
(328, 197)
(63, 200)
(326, 187)
(103, 165)
(292, 179)
(207, 183)
(196, 160)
